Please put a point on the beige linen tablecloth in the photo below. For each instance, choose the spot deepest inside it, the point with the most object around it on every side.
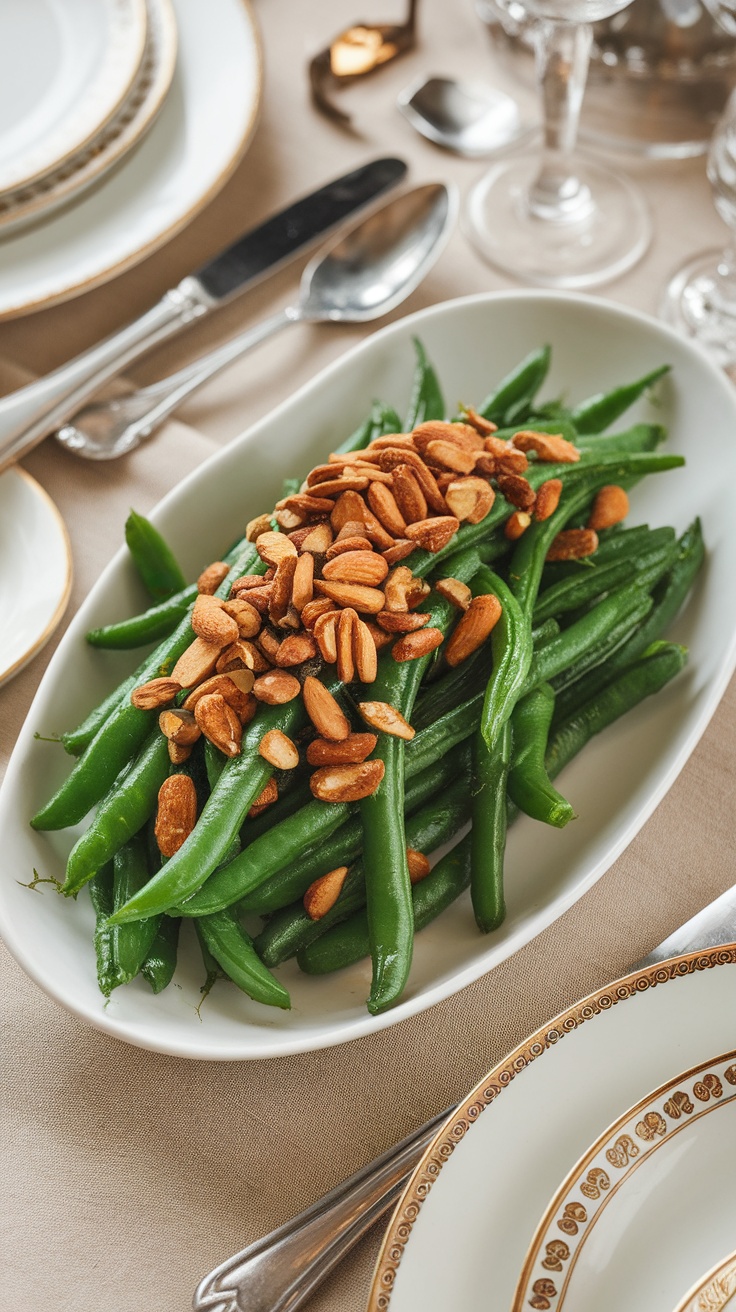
(127, 1175)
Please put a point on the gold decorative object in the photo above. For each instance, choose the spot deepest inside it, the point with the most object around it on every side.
(359, 50)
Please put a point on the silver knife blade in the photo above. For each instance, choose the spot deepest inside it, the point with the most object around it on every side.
(709, 928)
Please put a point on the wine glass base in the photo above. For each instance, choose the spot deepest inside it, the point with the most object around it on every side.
(692, 304)
(608, 238)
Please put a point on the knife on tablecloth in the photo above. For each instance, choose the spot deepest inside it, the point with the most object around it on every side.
(28, 415)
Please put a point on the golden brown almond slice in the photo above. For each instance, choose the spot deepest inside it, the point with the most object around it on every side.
(417, 592)
(274, 547)
(276, 688)
(394, 621)
(178, 753)
(179, 727)
(473, 628)
(246, 616)
(610, 506)
(325, 633)
(517, 524)
(451, 456)
(410, 499)
(573, 544)
(245, 582)
(176, 813)
(365, 567)
(366, 600)
(313, 609)
(350, 508)
(281, 591)
(384, 717)
(418, 864)
(296, 649)
(373, 473)
(457, 593)
(269, 643)
(345, 660)
(481, 425)
(235, 687)
(323, 893)
(433, 534)
(434, 498)
(549, 447)
(304, 505)
(547, 499)
(323, 473)
(278, 749)
(318, 540)
(356, 747)
(517, 490)
(303, 582)
(157, 692)
(242, 655)
(211, 577)
(438, 430)
(397, 587)
(390, 440)
(380, 637)
(196, 663)
(364, 652)
(346, 783)
(324, 711)
(210, 621)
(267, 796)
(343, 544)
(415, 645)
(383, 504)
(219, 723)
(255, 527)
(399, 551)
(258, 597)
(470, 499)
(348, 481)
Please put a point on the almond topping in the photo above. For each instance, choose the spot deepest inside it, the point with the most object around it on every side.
(346, 783)
(289, 520)
(436, 430)
(280, 752)
(247, 618)
(470, 498)
(265, 798)
(473, 628)
(210, 621)
(313, 610)
(345, 659)
(322, 895)
(457, 593)
(451, 456)
(365, 567)
(573, 544)
(547, 499)
(550, 447)
(380, 637)
(219, 723)
(242, 655)
(325, 632)
(176, 814)
(325, 713)
(433, 534)
(318, 539)
(479, 422)
(397, 586)
(255, 527)
(269, 643)
(353, 749)
(361, 598)
(342, 545)
(296, 649)
(418, 864)
(179, 727)
(274, 547)
(245, 582)
(383, 504)
(409, 497)
(258, 597)
(611, 505)
(364, 652)
(302, 588)
(395, 621)
(384, 717)
(517, 524)
(276, 688)
(157, 692)
(235, 687)
(517, 490)
(399, 551)
(414, 645)
(178, 754)
(211, 577)
(196, 663)
(348, 481)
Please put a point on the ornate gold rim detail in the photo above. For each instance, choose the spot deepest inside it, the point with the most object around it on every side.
(493, 1085)
(714, 1291)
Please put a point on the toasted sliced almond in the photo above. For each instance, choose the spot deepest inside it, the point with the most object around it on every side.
(356, 595)
(410, 499)
(364, 567)
(384, 717)
(318, 539)
(276, 688)
(348, 481)
(242, 655)
(324, 711)
(436, 430)
(389, 440)
(323, 473)
(258, 597)
(364, 652)
(313, 609)
(281, 592)
(414, 645)
(267, 796)
(551, 447)
(246, 616)
(179, 727)
(573, 544)
(245, 582)
(178, 753)
(235, 687)
(349, 509)
(322, 895)
(473, 628)
(325, 632)
(338, 548)
(383, 504)
(289, 520)
(219, 723)
(470, 499)
(211, 622)
(176, 813)
(269, 643)
(196, 663)
(345, 659)
(433, 534)
(418, 864)
(211, 577)
(517, 490)
(305, 505)
(481, 425)
(547, 498)
(274, 547)
(346, 783)
(611, 505)
(396, 588)
(517, 524)
(451, 456)
(457, 593)
(296, 649)
(255, 527)
(278, 749)
(396, 621)
(394, 457)
(352, 528)
(303, 583)
(380, 637)
(417, 592)
(157, 692)
(356, 747)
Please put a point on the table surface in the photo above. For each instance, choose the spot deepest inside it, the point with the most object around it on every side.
(129, 1175)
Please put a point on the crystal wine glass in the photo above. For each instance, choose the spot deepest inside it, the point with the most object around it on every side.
(552, 217)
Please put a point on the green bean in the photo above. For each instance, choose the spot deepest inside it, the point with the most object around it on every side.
(617, 613)
(233, 949)
(640, 437)
(488, 835)
(76, 740)
(150, 626)
(529, 785)
(617, 543)
(578, 590)
(518, 389)
(426, 400)
(131, 943)
(101, 895)
(160, 964)
(124, 810)
(511, 644)
(597, 412)
(153, 558)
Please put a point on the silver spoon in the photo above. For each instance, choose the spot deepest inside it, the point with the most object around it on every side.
(360, 277)
(467, 118)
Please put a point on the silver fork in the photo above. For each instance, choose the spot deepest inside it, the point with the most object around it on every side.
(279, 1272)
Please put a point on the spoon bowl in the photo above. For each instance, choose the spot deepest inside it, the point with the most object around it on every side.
(467, 118)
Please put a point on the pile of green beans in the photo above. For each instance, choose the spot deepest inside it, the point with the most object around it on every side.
(577, 645)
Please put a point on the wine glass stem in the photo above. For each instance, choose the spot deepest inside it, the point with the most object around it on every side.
(563, 51)
(725, 285)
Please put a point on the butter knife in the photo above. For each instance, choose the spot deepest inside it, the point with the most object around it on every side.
(279, 1272)
(32, 412)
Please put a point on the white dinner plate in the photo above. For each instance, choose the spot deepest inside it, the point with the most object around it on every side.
(460, 1232)
(641, 1213)
(35, 569)
(193, 147)
(615, 785)
(66, 67)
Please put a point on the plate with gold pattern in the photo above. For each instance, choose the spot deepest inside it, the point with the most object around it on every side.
(462, 1229)
(715, 1292)
(642, 1211)
(35, 569)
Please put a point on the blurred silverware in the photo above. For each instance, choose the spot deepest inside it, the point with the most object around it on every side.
(467, 118)
(359, 50)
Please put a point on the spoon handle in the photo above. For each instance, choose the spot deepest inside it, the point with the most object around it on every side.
(104, 430)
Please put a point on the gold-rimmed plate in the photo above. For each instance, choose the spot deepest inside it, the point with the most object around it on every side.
(715, 1291)
(462, 1229)
(35, 569)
